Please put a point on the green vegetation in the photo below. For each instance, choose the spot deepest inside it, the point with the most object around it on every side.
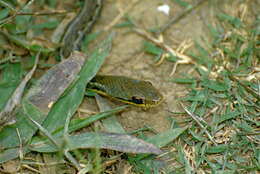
(219, 130)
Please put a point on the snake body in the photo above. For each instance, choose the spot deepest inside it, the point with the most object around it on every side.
(132, 91)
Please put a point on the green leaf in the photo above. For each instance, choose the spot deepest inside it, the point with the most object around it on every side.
(46, 25)
(77, 124)
(36, 103)
(244, 126)
(114, 141)
(125, 24)
(217, 149)
(166, 137)
(204, 56)
(226, 172)
(23, 23)
(236, 22)
(227, 116)
(110, 124)
(152, 49)
(184, 80)
(172, 58)
(90, 37)
(9, 137)
(215, 85)
(197, 136)
(183, 3)
(12, 153)
(10, 77)
(197, 96)
(4, 13)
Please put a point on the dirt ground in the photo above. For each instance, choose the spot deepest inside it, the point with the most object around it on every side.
(128, 58)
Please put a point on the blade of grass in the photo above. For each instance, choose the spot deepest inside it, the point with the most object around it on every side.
(114, 141)
(111, 124)
(12, 153)
(11, 74)
(77, 124)
(164, 138)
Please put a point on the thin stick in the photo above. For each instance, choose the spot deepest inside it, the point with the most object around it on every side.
(198, 122)
(62, 12)
(162, 58)
(42, 163)
(31, 168)
(180, 16)
(184, 58)
(118, 17)
(162, 45)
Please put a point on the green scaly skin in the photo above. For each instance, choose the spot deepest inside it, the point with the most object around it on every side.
(137, 92)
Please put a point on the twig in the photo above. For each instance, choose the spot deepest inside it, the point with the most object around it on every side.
(211, 111)
(31, 168)
(118, 17)
(61, 161)
(162, 58)
(161, 44)
(42, 13)
(180, 16)
(184, 59)
(198, 122)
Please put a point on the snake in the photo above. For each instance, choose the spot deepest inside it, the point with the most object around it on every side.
(128, 90)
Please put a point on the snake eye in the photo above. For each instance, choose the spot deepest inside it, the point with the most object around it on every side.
(137, 100)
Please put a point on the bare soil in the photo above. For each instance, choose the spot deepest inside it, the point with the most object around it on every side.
(129, 59)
